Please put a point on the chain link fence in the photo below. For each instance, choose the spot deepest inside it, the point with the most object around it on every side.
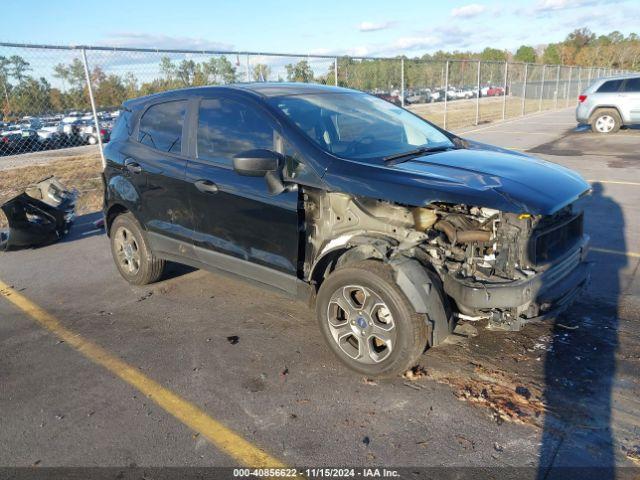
(47, 104)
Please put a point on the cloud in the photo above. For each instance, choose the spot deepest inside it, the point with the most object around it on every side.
(468, 11)
(548, 6)
(415, 43)
(146, 40)
(374, 27)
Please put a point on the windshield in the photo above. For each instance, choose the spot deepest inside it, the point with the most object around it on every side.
(359, 126)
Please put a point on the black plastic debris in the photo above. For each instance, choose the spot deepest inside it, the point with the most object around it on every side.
(523, 391)
(233, 339)
(41, 215)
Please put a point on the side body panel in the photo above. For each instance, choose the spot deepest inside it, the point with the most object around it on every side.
(239, 217)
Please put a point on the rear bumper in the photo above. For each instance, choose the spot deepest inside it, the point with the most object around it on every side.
(582, 113)
(557, 286)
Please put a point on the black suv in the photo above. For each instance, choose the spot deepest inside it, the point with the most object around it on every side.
(394, 227)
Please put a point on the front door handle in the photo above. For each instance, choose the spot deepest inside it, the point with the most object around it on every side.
(133, 167)
(206, 186)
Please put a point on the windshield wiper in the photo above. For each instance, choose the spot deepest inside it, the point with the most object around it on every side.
(418, 151)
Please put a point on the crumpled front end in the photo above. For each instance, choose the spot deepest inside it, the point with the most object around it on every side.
(41, 215)
(509, 268)
(504, 267)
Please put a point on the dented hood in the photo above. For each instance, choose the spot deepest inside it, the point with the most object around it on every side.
(480, 175)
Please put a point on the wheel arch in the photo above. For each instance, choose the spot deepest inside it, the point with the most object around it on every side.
(113, 211)
(603, 107)
(419, 283)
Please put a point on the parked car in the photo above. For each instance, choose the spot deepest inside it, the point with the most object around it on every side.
(610, 103)
(88, 132)
(17, 141)
(389, 98)
(436, 95)
(393, 227)
(50, 135)
(495, 91)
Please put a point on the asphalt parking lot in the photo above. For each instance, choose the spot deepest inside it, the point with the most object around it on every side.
(105, 374)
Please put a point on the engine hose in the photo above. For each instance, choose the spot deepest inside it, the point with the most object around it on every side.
(462, 236)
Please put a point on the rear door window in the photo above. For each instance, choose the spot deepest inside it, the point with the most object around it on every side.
(227, 127)
(632, 85)
(610, 86)
(161, 126)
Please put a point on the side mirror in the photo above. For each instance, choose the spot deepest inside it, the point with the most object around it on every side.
(256, 163)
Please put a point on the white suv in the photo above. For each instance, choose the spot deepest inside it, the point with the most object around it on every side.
(610, 103)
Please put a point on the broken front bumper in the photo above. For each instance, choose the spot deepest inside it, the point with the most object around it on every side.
(547, 292)
(40, 215)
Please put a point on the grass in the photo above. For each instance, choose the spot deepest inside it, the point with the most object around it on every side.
(462, 113)
(81, 172)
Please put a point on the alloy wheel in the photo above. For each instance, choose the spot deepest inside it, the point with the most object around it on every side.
(605, 123)
(127, 250)
(361, 324)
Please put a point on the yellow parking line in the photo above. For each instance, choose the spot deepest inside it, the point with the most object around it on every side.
(220, 436)
(615, 252)
(615, 182)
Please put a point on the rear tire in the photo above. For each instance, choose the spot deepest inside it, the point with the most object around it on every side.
(131, 253)
(368, 322)
(605, 121)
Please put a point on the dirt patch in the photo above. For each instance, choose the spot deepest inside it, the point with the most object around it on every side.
(576, 373)
(74, 171)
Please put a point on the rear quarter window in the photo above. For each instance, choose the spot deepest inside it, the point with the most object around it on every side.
(610, 86)
(161, 126)
(632, 85)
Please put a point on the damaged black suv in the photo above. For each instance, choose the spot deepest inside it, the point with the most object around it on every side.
(393, 227)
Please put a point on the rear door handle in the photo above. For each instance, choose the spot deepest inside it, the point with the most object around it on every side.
(133, 167)
(206, 186)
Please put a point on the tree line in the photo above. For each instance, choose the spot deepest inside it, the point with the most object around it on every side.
(23, 94)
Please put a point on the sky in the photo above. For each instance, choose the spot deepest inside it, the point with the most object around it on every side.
(366, 28)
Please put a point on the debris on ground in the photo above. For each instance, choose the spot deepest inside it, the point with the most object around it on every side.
(523, 391)
(366, 441)
(39, 216)
(415, 373)
(497, 447)
(233, 339)
(465, 443)
(632, 453)
(147, 295)
(465, 330)
(368, 381)
(567, 327)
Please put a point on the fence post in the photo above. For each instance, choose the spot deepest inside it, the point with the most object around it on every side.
(589, 76)
(446, 89)
(541, 88)
(248, 74)
(335, 70)
(93, 106)
(504, 93)
(557, 85)
(402, 82)
(478, 95)
(524, 87)
(569, 87)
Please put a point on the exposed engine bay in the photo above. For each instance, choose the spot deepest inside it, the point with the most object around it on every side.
(470, 248)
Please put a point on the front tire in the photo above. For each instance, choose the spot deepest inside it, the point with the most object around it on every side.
(606, 121)
(131, 253)
(368, 322)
